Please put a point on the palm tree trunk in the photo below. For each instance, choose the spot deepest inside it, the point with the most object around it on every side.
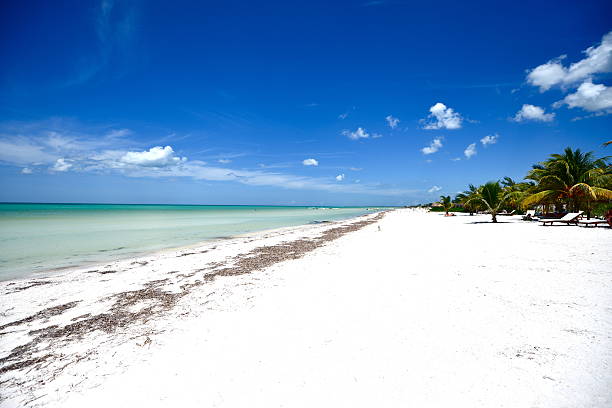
(588, 209)
(494, 216)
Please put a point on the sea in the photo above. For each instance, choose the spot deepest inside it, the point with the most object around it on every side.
(39, 238)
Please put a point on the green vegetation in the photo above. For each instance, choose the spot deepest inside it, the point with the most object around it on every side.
(492, 196)
(574, 179)
(447, 204)
(452, 209)
(567, 182)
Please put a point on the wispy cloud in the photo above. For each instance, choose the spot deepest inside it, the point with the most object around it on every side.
(359, 133)
(489, 139)
(470, 151)
(392, 122)
(434, 189)
(276, 165)
(114, 24)
(111, 152)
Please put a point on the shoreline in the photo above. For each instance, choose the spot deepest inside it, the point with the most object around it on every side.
(52, 271)
(49, 315)
(341, 313)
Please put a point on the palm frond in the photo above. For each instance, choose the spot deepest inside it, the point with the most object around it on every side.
(602, 194)
(543, 197)
(582, 189)
(553, 181)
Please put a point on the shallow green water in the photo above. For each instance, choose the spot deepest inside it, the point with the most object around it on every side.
(39, 237)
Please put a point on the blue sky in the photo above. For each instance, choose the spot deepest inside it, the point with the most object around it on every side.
(314, 103)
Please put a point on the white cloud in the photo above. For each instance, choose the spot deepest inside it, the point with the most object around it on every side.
(61, 165)
(393, 122)
(598, 60)
(360, 133)
(456, 159)
(470, 151)
(340, 177)
(442, 117)
(355, 168)
(154, 157)
(224, 161)
(310, 162)
(433, 147)
(32, 146)
(119, 133)
(22, 150)
(589, 96)
(532, 112)
(343, 116)
(26, 170)
(489, 139)
(434, 189)
(592, 115)
(376, 135)
(547, 75)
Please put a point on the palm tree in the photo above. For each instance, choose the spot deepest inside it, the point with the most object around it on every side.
(464, 199)
(446, 204)
(573, 178)
(492, 196)
(516, 192)
(609, 142)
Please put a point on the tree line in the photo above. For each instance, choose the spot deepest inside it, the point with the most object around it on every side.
(568, 182)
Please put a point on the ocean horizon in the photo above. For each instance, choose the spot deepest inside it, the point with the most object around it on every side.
(41, 237)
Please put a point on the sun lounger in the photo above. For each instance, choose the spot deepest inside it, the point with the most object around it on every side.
(570, 218)
(595, 223)
(507, 213)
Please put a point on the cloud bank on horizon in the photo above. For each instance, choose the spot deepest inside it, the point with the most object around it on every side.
(51, 152)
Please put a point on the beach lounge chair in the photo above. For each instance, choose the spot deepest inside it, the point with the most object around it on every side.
(567, 219)
(595, 223)
(507, 213)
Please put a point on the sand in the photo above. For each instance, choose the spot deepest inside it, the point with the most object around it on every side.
(413, 309)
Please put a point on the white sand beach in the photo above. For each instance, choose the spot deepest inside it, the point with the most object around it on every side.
(409, 309)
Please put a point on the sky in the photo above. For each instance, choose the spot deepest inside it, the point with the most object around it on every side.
(293, 103)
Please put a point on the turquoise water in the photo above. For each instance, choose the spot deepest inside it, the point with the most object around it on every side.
(39, 237)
